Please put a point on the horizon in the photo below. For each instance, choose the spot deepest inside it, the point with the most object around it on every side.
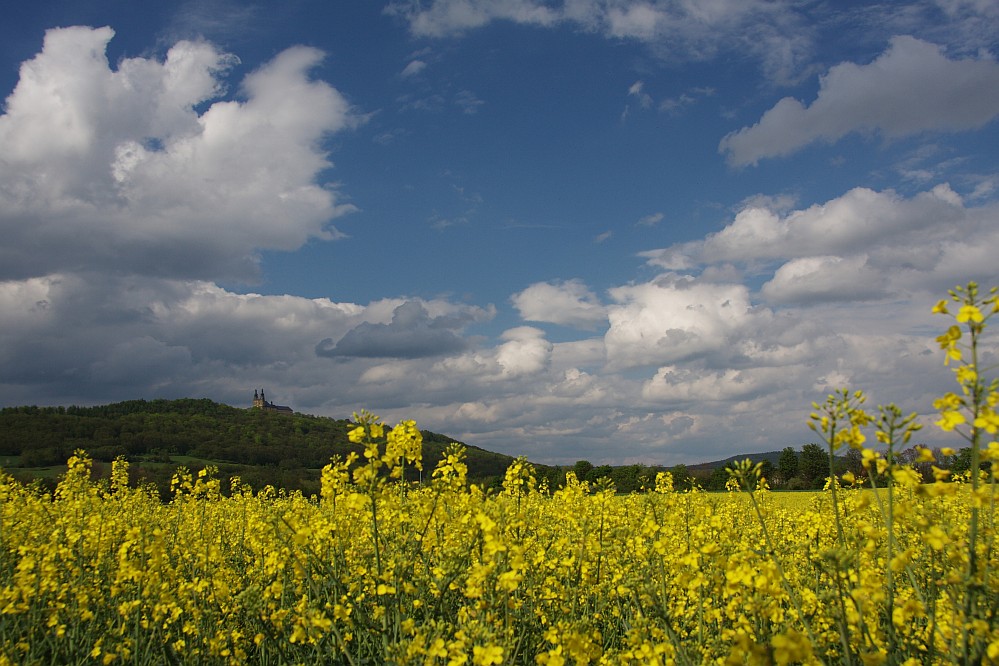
(622, 232)
(698, 464)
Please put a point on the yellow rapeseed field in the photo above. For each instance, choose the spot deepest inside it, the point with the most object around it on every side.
(379, 571)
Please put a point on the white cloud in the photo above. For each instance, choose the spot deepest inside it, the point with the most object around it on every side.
(817, 279)
(413, 68)
(672, 384)
(478, 412)
(651, 220)
(911, 88)
(638, 20)
(861, 246)
(773, 32)
(449, 17)
(857, 221)
(675, 318)
(107, 167)
(568, 303)
(635, 90)
(525, 352)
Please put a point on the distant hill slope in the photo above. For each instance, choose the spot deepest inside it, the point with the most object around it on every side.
(284, 450)
(772, 456)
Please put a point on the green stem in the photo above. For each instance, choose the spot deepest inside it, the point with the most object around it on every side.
(840, 539)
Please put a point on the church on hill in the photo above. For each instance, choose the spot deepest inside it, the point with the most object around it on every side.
(260, 402)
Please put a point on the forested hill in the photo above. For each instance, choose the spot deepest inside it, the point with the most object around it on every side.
(284, 450)
(772, 456)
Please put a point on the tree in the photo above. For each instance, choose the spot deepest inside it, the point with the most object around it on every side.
(962, 461)
(598, 472)
(719, 477)
(813, 465)
(555, 476)
(910, 456)
(767, 470)
(855, 463)
(787, 465)
(582, 468)
(628, 478)
(682, 480)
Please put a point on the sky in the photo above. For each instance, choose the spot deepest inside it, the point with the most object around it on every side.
(625, 231)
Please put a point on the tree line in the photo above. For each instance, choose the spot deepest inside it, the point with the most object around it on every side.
(806, 469)
(289, 450)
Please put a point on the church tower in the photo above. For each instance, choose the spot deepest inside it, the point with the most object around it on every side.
(260, 402)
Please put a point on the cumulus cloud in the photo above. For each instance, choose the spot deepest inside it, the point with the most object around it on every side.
(525, 351)
(674, 318)
(818, 279)
(569, 303)
(412, 333)
(860, 246)
(911, 88)
(105, 167)
(848, 223)
(685, 385)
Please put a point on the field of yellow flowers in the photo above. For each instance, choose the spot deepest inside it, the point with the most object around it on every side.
(377, 570)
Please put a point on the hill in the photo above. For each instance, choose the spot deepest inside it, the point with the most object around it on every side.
(772, 456)
(261, 447)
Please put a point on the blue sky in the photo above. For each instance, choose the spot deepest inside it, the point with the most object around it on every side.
(618, 230)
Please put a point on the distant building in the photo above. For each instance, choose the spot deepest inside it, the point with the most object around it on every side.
(260, 402)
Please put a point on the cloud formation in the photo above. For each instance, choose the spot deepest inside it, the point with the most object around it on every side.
(412, 333)
(911, 88)
(772, 31)
(860, 246)
(130, 193)
(568, 303)
(674, 318)
(685, 361)
(107, 168)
